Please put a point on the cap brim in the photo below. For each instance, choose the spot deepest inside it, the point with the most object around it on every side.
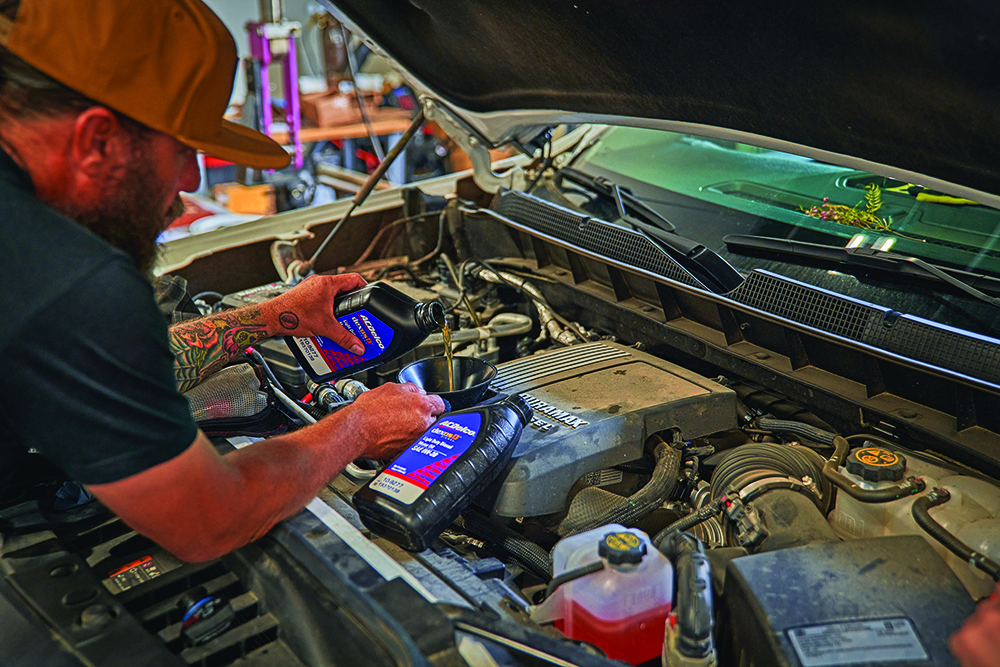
(242, 145)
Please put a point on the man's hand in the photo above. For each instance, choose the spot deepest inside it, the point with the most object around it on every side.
(307, 310)
(977, 642)
(393, 416)
(263, 483)
(204, 345)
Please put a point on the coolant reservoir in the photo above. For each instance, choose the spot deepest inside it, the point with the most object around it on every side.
(972, 514)
(621, 609)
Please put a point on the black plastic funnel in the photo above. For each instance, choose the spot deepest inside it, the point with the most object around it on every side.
(472, 379)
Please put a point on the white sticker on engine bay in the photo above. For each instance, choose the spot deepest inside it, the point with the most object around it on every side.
(857, 643)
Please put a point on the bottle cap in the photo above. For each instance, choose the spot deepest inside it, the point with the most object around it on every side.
(876, 464)
(521, 407)
(429, 316)
(622, 547)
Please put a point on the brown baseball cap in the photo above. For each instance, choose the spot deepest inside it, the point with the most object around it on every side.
(168, 64)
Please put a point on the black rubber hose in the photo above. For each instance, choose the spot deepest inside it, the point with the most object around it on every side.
(315, 412)
(751, 462)
(643, 501)
(570, 575)
(883, 495)
(920, 513)
(526, 552)
(688, 522)
(694, 607)
(637, 467)
(796, 428)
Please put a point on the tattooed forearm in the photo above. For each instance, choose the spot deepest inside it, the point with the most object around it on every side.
(205, 345)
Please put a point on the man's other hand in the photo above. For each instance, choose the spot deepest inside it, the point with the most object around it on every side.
(307, 310)
(394, 416)
(977, 642)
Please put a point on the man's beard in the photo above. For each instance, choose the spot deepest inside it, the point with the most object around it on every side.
(130, 216)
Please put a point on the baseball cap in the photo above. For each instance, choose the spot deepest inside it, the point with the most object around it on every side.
(168, 64)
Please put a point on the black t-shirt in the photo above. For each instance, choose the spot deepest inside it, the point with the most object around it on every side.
(86, 373)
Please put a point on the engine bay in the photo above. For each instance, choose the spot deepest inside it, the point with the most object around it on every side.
(767, 531)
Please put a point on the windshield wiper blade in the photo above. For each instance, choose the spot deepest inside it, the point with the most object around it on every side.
(976, 285)
(710, 267)
(623, 198)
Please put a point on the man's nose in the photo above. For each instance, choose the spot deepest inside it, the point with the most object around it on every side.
(190, 174)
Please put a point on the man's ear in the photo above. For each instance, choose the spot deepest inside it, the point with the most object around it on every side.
(100, 145)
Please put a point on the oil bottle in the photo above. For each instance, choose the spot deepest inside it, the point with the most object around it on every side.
(425, 488)
(388, 322)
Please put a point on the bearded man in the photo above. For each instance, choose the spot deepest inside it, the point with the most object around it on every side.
(103, 105)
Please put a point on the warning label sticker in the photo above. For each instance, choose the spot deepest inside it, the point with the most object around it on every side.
(857, 643)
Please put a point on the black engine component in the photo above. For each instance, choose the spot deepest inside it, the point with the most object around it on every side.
(884, 600)
(791, 520)
(784, 488)
(692, 637)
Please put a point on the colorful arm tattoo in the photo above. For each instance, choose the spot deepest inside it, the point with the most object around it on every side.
(205, 345)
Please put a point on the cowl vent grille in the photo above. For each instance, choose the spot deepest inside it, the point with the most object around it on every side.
(927, 342)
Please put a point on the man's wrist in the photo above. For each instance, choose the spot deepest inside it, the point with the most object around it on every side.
(278, 321)
(356, 423)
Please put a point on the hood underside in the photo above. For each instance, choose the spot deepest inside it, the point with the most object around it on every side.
(908, 85)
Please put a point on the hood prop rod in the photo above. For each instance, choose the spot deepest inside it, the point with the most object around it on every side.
(296, 273)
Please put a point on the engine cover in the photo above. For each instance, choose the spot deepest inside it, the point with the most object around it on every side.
(875, 601)
(595, 404)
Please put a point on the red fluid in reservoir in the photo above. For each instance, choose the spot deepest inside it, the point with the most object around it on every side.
(634, 639)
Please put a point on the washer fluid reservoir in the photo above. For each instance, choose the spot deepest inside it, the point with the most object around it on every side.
(621, 609)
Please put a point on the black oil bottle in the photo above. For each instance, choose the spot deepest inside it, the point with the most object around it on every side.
(425, 488)
(388, 322)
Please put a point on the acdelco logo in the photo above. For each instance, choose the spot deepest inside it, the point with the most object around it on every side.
(457, 427)
(371, 330)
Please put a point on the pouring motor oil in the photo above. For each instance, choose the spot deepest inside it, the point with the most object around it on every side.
(388, 322)
(425, 488)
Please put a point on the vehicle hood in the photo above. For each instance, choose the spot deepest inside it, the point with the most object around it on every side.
(912, 86)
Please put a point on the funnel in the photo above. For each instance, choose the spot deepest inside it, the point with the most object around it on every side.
(472, 379)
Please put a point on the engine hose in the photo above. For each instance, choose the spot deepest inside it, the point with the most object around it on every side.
(546, 316)
(688, 522)
(796, 428)
(526, 552)
(762, 401)
(588, 506)
(920, 513)
(293, 404)
(693, 606)
(887, 494)
(572, 575)
(748, 463)
(637, 467)
(642, 502)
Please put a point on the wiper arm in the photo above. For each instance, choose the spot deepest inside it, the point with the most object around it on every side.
(717, 274)
(870, 258)
(623, 198)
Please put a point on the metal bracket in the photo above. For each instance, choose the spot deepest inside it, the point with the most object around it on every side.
(477, 150)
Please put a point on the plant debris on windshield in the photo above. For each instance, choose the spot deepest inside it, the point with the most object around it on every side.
(862, 218)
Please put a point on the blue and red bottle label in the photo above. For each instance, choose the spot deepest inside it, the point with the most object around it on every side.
(413, 471)
(324, 356)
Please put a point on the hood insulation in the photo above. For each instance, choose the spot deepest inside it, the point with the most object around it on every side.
(912, 85)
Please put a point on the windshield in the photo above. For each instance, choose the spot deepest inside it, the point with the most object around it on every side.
(711, 188)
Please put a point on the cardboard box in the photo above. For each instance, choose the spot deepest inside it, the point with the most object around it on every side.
(250, 199)
(328, 109)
